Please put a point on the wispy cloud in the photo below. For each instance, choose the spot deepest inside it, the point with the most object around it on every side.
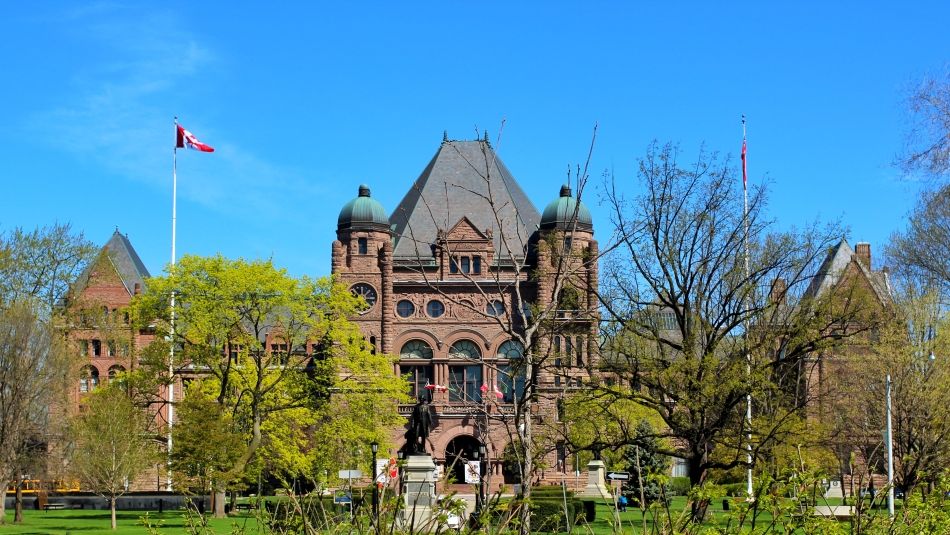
(117, 111)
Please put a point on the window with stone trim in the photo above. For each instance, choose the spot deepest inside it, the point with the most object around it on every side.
(465, 349)
(418, 376)
(362, 246)
(465, 384)
(88, 379)
(415, 349)
(405, 308)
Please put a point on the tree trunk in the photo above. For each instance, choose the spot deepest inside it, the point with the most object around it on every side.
(217, 502)
(112, 510)
(697, 476)
(18, 506)
(3, 502)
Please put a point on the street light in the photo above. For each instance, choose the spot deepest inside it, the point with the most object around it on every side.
(483, 461)
(375, 447)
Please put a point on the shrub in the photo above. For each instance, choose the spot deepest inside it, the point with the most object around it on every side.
(679, 486)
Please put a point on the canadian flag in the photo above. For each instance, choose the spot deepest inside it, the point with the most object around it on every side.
(188, 140)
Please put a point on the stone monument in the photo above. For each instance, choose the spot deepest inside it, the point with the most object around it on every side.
(419, 474)
(596, 481)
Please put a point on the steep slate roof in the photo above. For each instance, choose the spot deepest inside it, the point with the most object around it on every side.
(125, 260)
(833, 267)
(459, 181)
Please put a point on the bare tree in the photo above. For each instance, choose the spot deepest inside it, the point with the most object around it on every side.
(34, 372)
(920, 250)
(692, 330)
(42, 263)
(36, 269)
(927, 145)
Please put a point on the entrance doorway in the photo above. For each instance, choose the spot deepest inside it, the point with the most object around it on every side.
(458, 453)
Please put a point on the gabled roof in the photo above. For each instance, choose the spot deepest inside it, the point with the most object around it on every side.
(464, 179)
(838, 259)
(124, 259)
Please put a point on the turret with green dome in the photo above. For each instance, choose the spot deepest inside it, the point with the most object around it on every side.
(562, 212)
(363, 212)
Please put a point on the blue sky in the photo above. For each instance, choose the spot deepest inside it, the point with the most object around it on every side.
(304, 101)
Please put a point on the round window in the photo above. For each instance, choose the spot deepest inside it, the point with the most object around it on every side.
(435, 309)
(405, 308)
(367, 292)
(495, 308)
(511, 349)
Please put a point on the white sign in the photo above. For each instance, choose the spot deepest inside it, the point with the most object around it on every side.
(382, 471)
(472, 472)
(350, 474)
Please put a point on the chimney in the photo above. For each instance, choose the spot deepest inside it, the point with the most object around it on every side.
(778, 291)
(863, 252)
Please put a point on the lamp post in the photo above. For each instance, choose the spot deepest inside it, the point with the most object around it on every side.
(375, 447)
(483, 461)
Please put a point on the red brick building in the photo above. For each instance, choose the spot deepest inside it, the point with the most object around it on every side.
(102, 334)
(458, 269)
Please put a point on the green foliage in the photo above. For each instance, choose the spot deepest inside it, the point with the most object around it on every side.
(206, 443)
(293, 376)
(111, 445)
(679, 486)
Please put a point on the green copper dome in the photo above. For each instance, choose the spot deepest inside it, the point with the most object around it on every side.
(363, 212)
(561, 213)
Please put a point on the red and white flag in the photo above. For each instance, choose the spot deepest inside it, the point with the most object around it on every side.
(188, 140)
(744, 174)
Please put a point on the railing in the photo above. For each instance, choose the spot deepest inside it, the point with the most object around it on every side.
(465, 409)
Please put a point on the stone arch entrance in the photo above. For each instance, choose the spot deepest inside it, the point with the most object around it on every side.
(458, 452)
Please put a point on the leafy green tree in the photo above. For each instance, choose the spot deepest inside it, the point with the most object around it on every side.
(206, 442)
(689, 331)
(271, 349)
(111, 444)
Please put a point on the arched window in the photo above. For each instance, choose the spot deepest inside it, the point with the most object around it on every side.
(418, 375)
(465, 349)
(511, 349)
(114, 371)
(416, 349)
(88, 379)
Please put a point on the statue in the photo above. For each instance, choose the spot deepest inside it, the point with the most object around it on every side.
(420, 423)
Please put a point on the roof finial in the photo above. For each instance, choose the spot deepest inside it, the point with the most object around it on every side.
(364, 190)
(445, 136)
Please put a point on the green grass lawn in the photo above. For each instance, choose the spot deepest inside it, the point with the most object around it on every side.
(128, 522)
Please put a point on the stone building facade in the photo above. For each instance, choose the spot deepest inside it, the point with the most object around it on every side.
(454, 278)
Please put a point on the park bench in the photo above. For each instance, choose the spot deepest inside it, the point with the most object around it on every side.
(54, 506)
(244, 506)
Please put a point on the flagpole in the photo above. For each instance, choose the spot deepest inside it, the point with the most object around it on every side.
(748, 401)
(171, 345)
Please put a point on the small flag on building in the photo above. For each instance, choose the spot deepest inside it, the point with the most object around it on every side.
(188, 140)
